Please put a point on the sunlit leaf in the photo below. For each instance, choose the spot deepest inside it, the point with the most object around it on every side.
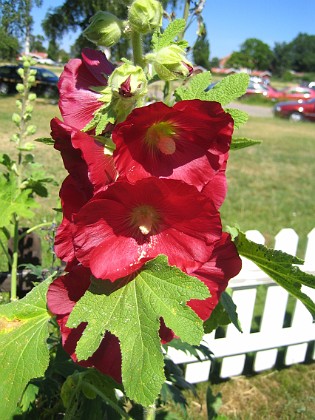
(132, 311)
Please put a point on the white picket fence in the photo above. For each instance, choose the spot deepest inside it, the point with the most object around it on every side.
(296, 340)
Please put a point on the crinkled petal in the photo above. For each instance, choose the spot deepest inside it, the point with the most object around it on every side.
(197, 132)
(187, 228)
(223, 265)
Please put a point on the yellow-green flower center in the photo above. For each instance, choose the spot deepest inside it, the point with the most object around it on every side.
(145, 218)
(161, 135)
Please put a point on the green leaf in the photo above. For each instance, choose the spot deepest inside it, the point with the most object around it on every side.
(230, 308)
(6, 160)
(219, 317)
(165, 39)
(279, 266)
(89, 384)
(14, 201)
(242, 142)
(239, 117)
(196, 87)
(24, 354)
(46, 140)
(178, 344)
(228, 89)
(131, 311)
(225, 91)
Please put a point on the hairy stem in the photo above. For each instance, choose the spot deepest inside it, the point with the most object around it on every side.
(136, 43)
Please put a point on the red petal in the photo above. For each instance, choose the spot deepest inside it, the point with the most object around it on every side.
(224, 264)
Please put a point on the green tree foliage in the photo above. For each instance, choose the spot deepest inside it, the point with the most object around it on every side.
(75, 14)
(254, 54)
(201, 51)
(16, 18)
(302, 53)
(36, 43)
(281, 59)
(9, 46)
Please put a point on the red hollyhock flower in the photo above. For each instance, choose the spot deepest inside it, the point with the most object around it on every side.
(78, 102)
(73, 197)
(181, 142)
(128, 224)
(224, 264)
(216, 189)
(83, 157)
(62, 295)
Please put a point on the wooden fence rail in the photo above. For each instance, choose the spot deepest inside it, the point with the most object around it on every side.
(282, 324)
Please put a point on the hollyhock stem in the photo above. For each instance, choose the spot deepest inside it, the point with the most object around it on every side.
(136, 43)
(149, 412)
(14, 260)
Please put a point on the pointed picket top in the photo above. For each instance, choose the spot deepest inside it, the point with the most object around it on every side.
(309, 258)
(287, 241)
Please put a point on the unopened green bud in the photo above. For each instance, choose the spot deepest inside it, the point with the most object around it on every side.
(128, 81)
(32, 97)
(145, 15)
(16, 118)
(20, 71)
(128, 84)
(20, 87)
(104, 30)
(31, 79)
(31, 129)
(170, 63)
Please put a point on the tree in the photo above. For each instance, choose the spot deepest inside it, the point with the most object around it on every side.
(282, 58)
(201, 52)
(75, 14)
(253, 54)
(36, 43)
(9, 46)
(302, 51)
(16, 18)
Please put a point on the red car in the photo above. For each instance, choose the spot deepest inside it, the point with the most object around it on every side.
(296, 111)
(263, 89)
(296, 93)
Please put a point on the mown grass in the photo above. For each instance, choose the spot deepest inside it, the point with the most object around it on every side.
(285, 394)
(271, 186)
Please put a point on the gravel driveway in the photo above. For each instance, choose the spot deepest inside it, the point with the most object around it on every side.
(253, 110)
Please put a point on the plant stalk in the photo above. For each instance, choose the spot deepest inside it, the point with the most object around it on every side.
(149, 412)
(14, 266)
(136, 43)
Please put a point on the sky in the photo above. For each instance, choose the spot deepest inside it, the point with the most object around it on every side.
(230, 22)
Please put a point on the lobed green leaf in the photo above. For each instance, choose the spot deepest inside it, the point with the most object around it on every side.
(24, 354)
(280, 267)
(131, 310)
(165, 39)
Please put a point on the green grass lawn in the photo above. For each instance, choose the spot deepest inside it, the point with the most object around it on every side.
(271, 186)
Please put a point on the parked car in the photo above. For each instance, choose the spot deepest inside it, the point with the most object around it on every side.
(296, 110)
(296, 93)
(264, 89)
(45, 84)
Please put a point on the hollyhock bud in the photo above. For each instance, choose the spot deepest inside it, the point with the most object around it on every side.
(145, 15)
(128, 85)
(105, 29)
(170, 63)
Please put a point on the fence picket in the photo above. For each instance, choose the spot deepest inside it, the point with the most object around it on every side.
(287, 241)
(303, 319)
(245, 302)
(272, 334)
(272, 322)
(309, 259)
